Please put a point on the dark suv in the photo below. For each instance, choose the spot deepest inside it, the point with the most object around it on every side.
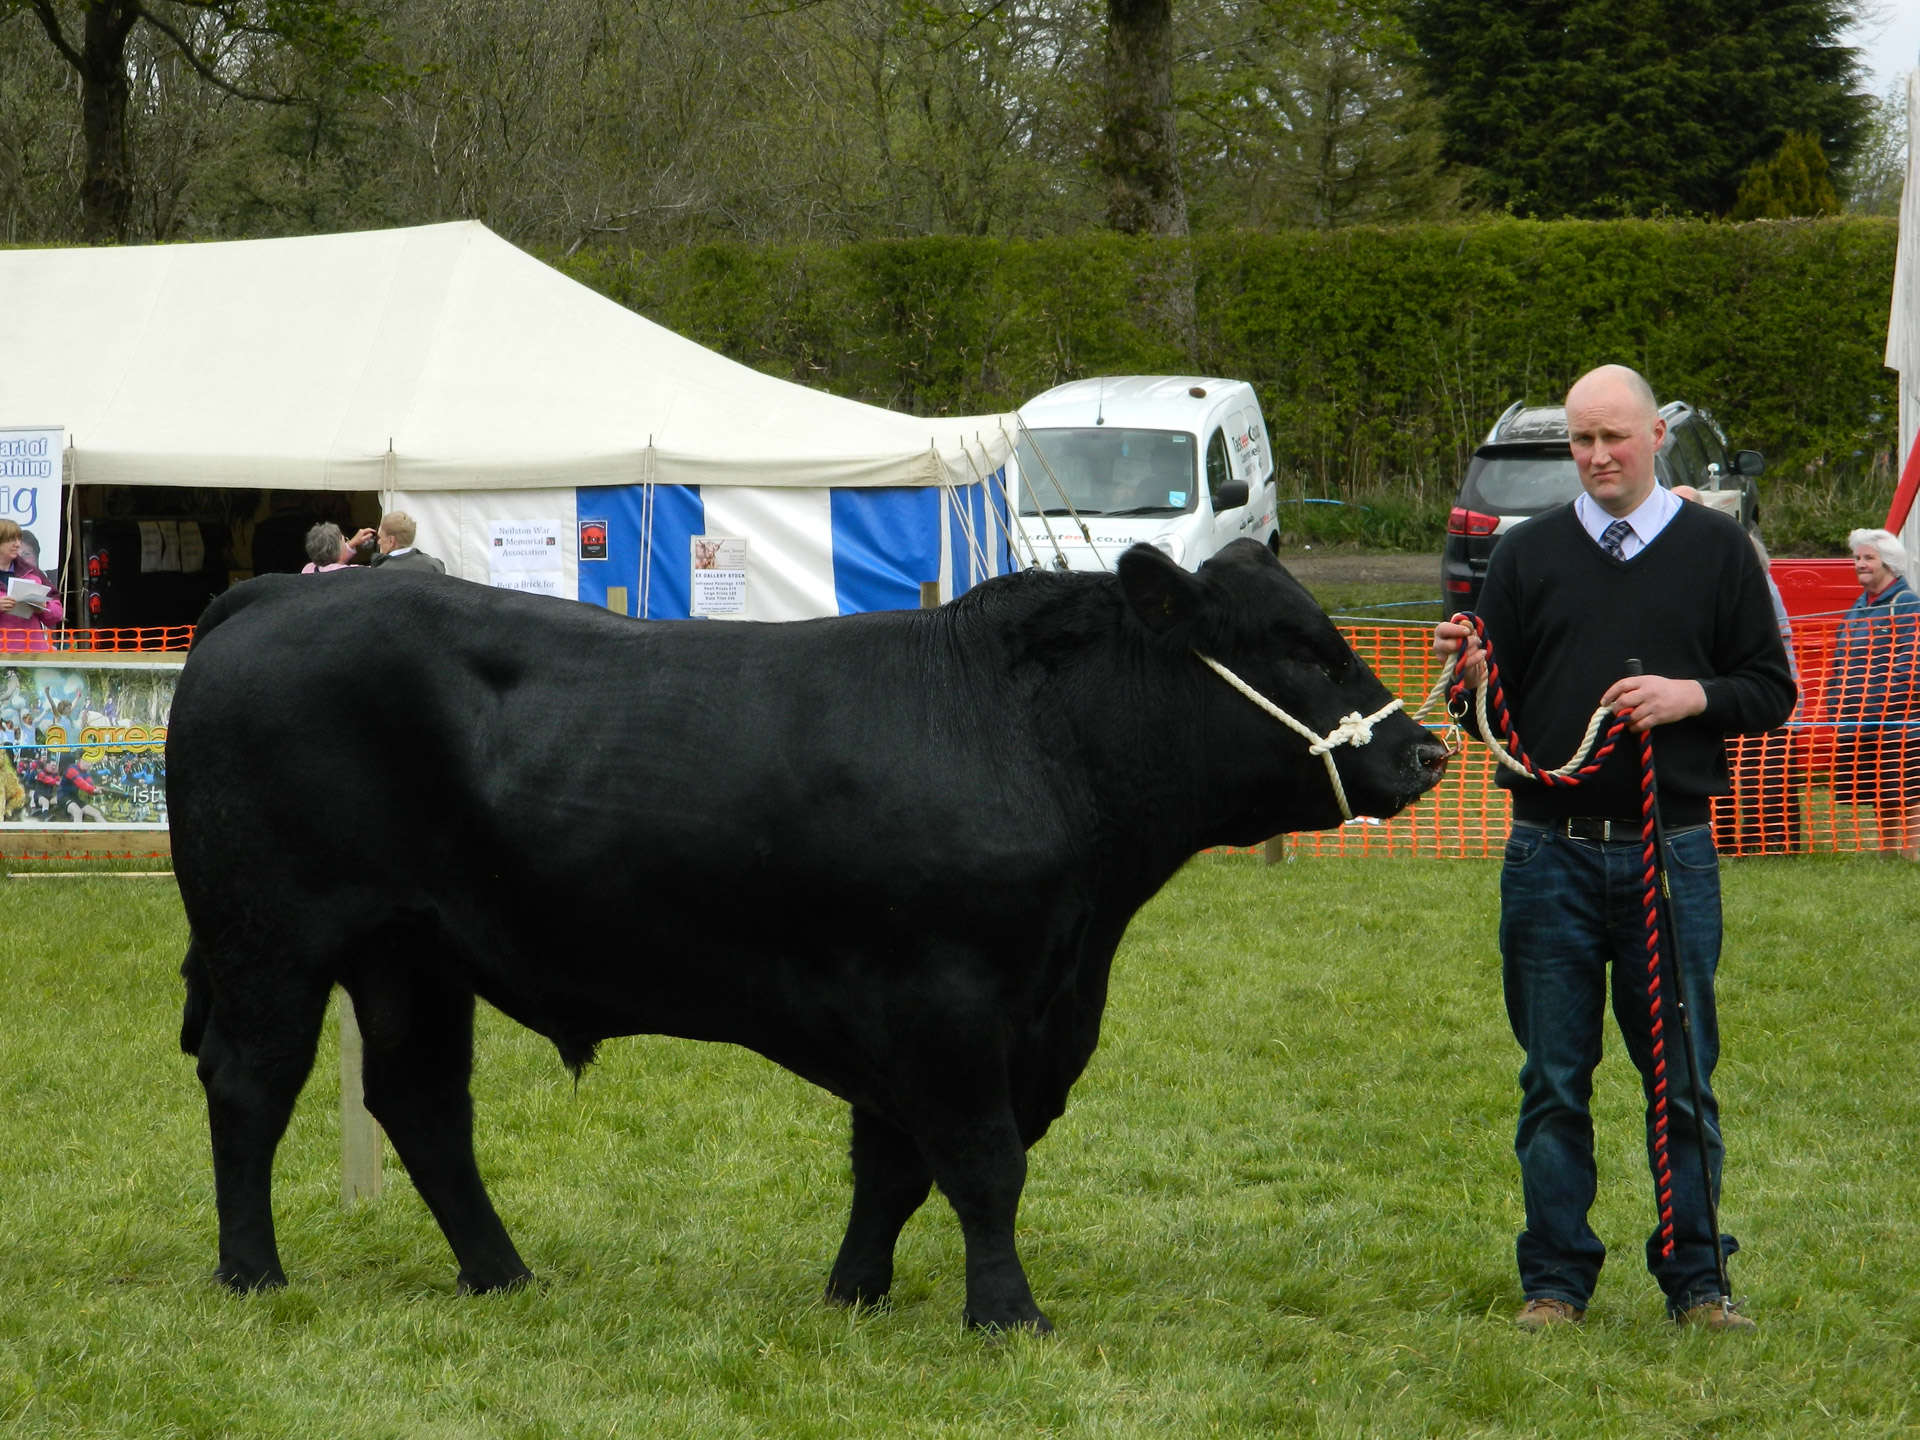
(1525, 467)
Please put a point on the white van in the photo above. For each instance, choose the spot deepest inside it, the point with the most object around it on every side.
(1180, 462)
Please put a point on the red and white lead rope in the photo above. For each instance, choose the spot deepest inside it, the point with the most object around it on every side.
(1513, 755)
(1357, 729)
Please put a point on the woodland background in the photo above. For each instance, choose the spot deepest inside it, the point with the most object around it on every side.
(1394, 216)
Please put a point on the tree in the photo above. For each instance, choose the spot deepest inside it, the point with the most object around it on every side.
(227, 44)
(1792, 184)
(1138, 154)
(1632, 107)
(1307, 114)
(1872, 183)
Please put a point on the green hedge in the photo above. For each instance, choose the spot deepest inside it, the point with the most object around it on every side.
(1381, 355)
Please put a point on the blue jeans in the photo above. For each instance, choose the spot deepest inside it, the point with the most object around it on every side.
(1567, 908)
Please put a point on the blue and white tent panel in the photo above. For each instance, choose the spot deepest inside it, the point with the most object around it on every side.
(810, 552)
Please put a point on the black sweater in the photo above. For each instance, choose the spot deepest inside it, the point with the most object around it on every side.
(1564, 617)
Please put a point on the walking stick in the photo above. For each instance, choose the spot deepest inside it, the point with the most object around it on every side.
(1660, 915)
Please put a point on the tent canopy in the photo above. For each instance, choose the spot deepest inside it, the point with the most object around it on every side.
(433, 358)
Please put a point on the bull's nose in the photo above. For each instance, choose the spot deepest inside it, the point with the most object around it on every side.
(1433, 759)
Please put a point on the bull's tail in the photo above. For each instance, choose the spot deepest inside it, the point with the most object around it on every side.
(199, 1007)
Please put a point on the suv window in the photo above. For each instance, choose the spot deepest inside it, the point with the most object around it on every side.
(1689, 458)
(1710, 439)
(1513, 484)
(1219, 468)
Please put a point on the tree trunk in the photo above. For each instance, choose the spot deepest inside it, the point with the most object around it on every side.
(1137, 155)
(106, 191)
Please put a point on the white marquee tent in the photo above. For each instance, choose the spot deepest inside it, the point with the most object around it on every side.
(474, 386)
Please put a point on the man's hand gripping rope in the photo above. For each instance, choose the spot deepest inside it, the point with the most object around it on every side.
(1471, 666)
(1642, 701)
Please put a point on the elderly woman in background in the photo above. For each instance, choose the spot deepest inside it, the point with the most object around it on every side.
(1763, 815)
(35, 620)
(328, 549)
(1872, 683)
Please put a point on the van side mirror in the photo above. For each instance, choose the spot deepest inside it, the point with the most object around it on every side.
(1749, 462)
(1230, 495)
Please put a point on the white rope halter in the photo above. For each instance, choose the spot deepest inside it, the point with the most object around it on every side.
(1355, 730)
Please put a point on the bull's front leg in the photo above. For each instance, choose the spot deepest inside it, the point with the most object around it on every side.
(890, 1182)
(981, 1167)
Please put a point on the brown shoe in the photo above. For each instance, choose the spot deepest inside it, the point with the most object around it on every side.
(1545, 1313)
(1714, 1315)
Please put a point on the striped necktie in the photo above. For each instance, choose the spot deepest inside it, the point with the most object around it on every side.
(1613, 539)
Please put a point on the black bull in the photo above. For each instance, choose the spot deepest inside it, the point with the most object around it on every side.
(894, 853)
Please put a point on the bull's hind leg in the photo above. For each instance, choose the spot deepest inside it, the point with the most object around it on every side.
(890, 1182)
(255, 1052)
(418, 1062)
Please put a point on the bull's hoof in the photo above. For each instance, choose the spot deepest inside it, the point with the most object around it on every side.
(246, 1282)
(857, 1295)
(1034, 1324)
(491, 1285)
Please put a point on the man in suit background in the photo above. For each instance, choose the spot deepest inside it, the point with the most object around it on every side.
(397, 551)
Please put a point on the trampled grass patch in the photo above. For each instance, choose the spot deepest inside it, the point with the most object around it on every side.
(1283, 1200)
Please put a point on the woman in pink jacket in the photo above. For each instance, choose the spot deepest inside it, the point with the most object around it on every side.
(17, 615)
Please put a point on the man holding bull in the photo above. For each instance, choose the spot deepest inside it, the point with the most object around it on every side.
(1626, 571)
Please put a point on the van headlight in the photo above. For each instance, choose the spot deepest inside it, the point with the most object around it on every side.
(1172, 547)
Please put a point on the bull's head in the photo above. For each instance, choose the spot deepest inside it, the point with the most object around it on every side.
(1245, 611)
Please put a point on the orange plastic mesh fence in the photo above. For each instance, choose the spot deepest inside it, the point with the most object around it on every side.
(1844, 774)
(37, 641)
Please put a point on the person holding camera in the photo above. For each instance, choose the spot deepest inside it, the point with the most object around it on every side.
(328, 549)
(1625, 571)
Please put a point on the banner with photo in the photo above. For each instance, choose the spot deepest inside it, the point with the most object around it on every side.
(31, 461)
(86, 743)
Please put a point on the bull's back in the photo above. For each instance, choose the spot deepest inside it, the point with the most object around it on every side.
(507, 770)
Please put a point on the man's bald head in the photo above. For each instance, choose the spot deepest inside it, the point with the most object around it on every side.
(1615, 382)
(1614, 429)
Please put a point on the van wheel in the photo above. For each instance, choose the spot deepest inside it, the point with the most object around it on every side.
(1273, 544)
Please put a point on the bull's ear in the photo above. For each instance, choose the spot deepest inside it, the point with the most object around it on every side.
(1165, 597)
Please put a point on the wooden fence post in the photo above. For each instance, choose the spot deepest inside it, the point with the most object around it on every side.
(360, 1135)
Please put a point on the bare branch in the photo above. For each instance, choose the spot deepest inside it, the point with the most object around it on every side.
(50, 22)
(205, 71)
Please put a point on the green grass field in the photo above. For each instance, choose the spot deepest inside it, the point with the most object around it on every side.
(1282, 1201)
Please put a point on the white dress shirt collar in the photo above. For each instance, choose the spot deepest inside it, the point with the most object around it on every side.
(1648, 519)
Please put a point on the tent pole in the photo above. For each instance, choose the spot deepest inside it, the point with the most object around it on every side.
(76, 564)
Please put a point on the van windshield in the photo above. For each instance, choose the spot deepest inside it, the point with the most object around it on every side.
(1522, 484)
(1108, 471)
